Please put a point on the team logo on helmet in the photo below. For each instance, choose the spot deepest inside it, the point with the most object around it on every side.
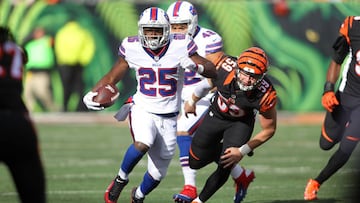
(193, 10)
(183, 12)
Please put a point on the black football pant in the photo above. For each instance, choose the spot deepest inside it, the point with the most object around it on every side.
(19, 151)
(213, 136)
(341, 126)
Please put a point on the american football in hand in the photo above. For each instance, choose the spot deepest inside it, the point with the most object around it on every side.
(107, 95)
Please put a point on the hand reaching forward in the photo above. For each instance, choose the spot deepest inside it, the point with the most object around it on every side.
(189, 108)
(231, 157)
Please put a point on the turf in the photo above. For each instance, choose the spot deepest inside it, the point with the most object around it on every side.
(81, 160)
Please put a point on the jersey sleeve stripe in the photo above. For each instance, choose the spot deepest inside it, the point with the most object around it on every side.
(230, 77)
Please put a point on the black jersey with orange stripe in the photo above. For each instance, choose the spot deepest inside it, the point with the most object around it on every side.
(350, 30)
(231, 103)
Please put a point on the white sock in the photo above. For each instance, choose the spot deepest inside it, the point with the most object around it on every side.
(189, 175)
(138, 193)
(247, 172)
(236, 171)
(198, 200)
(122, 174)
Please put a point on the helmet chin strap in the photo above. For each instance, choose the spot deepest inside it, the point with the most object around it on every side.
(247, 87)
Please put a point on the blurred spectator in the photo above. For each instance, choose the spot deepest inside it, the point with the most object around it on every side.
(74, 49)
(39, 48)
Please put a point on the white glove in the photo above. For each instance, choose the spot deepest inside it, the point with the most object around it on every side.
(187, 63)
(90, 104)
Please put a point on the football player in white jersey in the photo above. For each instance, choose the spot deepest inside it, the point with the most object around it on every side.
(184, 19)
(158, 59)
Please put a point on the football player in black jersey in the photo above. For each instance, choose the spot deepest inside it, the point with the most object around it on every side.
(19, 148)
(225, 135)
(341, 124)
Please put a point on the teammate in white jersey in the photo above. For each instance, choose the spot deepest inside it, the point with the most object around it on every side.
(158, 59)
(184, 19)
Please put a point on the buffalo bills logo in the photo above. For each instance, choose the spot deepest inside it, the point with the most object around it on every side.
(193, 11)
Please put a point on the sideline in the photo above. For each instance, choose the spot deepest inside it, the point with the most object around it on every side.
(289, 118)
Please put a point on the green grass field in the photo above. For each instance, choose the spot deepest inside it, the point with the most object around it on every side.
(82, 159)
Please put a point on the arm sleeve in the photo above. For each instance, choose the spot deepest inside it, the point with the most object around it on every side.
(341, 50)
(202, 89)
(268, 101)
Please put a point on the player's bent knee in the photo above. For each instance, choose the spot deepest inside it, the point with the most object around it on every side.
(157, 174)
(326, 145)
(141, 147)
(182, 133)
(195, 164)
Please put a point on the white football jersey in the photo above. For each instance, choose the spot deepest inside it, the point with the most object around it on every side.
(159, 76)
(207, 42)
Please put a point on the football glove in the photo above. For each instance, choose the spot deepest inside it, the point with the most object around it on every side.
(329, 101)
(90, 104)
(187, 63)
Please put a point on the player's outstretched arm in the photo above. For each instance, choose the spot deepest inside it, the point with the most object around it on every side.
(200, 91)
(199, 64)
(267, 121)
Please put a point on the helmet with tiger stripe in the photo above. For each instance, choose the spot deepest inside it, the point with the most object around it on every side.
(252, 67)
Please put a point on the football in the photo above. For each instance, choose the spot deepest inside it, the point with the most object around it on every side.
(107, 95)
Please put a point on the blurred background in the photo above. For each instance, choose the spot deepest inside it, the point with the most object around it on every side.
(297, 35)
